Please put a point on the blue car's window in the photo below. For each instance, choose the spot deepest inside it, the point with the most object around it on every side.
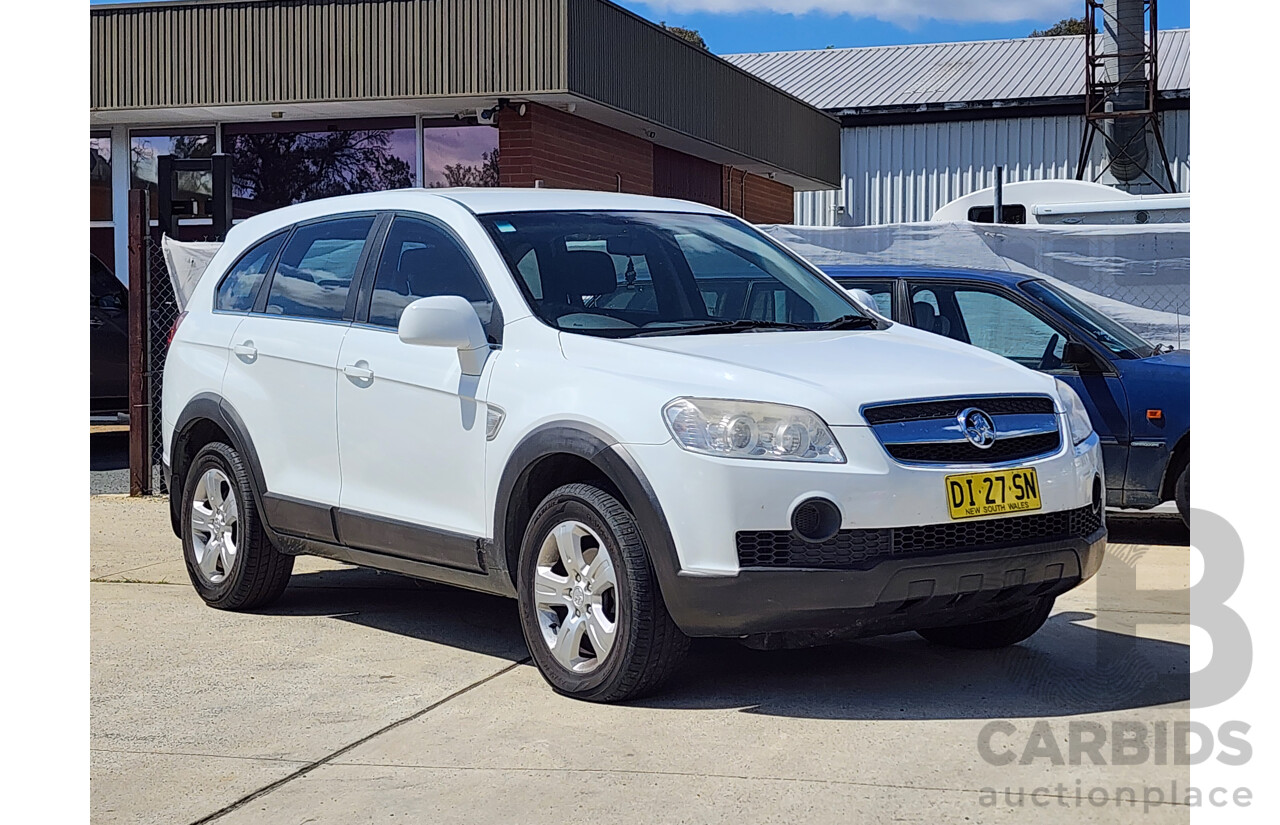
(1111, 334)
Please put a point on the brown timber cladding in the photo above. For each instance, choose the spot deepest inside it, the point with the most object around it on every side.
(202, 54)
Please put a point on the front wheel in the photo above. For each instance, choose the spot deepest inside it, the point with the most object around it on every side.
(998, 633)
(1182, 495)
(590, 608)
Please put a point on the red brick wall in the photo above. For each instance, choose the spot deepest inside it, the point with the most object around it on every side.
(761, 201)
(565, 151)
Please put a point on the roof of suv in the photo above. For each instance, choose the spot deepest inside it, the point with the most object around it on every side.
(478, 200)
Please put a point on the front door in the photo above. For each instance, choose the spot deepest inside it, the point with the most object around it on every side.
(411, 426)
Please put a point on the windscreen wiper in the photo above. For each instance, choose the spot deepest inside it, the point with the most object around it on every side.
(711, 327)
(850, 322)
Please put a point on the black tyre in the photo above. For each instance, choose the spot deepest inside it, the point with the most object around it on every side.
(232, 564)
(999, 633)
(590, 607)
(1182, 495)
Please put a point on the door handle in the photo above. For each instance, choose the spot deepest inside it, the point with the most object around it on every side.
(246, 350)
(94, 323)
(358, 372)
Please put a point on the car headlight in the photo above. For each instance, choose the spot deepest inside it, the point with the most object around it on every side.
(1077, 415)
(750, 429)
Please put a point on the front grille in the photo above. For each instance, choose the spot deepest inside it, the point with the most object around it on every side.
(962, 452)
(951, 407)
(863, 549)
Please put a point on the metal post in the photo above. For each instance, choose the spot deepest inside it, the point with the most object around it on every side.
(221, 206)
(139, 394)
(164, 186)
(997, 214)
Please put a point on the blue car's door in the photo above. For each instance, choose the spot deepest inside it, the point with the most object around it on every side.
(998, 319)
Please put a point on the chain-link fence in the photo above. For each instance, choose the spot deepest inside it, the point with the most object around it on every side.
(162, 312)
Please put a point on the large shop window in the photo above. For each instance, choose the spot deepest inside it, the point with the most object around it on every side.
(99, 176)
(456, 155)
(277, 164)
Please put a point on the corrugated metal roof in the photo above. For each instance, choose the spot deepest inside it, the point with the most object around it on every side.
(940, 73)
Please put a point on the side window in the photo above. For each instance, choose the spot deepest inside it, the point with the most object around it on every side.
(1006, 328)
(314, 275)
(881, 291)
(931, 315)
(240, 286)
(420, 260)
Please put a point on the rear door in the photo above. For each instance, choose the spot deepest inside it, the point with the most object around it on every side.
(282, 374)
(411, 426)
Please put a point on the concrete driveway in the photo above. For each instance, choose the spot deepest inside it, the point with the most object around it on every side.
(366, 697)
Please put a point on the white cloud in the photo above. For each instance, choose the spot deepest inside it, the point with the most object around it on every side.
(895, 11)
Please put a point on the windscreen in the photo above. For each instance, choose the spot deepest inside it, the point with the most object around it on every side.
(620, 274)
(1111, 334)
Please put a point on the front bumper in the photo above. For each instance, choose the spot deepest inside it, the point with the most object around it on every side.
(893, 596)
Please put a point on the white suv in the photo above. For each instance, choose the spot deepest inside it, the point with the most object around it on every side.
(640, 417)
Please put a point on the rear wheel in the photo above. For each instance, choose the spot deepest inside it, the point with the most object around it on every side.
(1182, 495)
(590, 607)
(999, 633)
(230, 560)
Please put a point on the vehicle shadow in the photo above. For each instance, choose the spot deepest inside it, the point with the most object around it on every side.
(1147, 528)
(1067, 668)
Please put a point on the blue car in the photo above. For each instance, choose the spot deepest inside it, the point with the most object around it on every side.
(1138, 394)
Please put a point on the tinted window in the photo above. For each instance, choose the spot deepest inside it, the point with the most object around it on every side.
(1010, 212)
(929, 314)
(240, 286)
(420, 260)
(314, 275)
(1006, 328)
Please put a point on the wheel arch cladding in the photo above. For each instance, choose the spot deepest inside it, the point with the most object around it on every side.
(568, 452)
(205, 419)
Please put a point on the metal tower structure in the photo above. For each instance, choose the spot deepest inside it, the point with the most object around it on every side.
(1121, 75)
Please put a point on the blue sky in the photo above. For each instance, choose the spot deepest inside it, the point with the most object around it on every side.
(731, 26)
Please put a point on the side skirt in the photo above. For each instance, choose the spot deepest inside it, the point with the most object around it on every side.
(480, 582)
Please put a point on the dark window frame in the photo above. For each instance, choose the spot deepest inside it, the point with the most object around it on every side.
(364, 306)
(264, 290)
(266, 274)
(1015, 295)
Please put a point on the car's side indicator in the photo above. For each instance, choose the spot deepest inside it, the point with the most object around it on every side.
(1155, 415)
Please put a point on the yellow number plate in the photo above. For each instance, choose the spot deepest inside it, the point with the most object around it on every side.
(989, 493)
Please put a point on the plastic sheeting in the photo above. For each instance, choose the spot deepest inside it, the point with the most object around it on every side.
(186, 262)
(1139, 275)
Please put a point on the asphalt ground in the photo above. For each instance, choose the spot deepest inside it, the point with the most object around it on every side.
(368, 697)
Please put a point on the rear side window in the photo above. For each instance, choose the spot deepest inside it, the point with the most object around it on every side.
(420, 260)
(313, 278)
(240, 286)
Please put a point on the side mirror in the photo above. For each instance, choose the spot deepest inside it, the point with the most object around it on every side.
(447, 321)
(863, 299)
(1076, 354)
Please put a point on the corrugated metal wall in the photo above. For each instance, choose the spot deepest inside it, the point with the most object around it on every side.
(903, 173)
(621, 60)
(280, 52)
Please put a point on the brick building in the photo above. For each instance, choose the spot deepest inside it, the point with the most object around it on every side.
(310, 98)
